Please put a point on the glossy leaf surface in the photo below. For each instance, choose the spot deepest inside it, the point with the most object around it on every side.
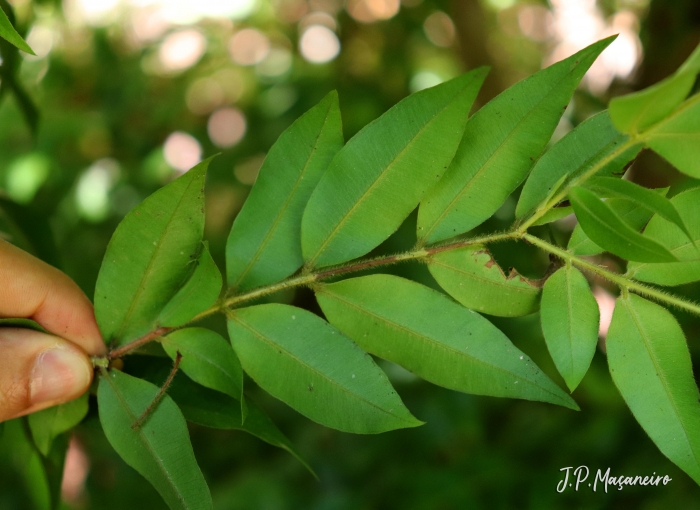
(501, 143)
(427, 333)
(472, 277)
(265, 242)
(159, 449)
(650, 364)
(381, 175)
(570, 320)
(302, 360)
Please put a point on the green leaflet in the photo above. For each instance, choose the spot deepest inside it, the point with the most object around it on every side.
(664, 232)
(22, 323)
(198, 293)
(635, 112)
(606, 229)
(570, 320)
(500, 145)
(590, 143)
(8, 32)
(47, 424)
(631, 213)
(264, 245)
(472, 277)
(650, 364)
(381, 175)
(427, 333)
(159, 449)
(213, 409)
(677, 139)
(644, 197)
(148, 258)
(207, 358)
(40, 475)
(554, 214)
(302, 360)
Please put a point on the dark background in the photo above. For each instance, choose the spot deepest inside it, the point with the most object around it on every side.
(107, 102)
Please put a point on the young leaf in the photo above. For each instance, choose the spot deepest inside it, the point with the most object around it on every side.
(159, 449)
(472, 277)
(198, 293)
(635, 112)
(427, 333)
(650, 364)
(591, 142)
(666, 233)
(644, 197)
(379, 177)
(213, 409)
(264, 245)
(631, 213)
(8, 32)
(606, 229)
(302, 360)
(207, 359)
(677, 139)
(47, 424)
(570, 320)
(148, 258)
(501, 143)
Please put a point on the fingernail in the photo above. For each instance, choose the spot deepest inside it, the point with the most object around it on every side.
(59, 375)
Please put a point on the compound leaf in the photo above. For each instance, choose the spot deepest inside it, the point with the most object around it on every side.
(159, 448)
(570, 320)
(427, 333)
(198, 293)
(302, 360)
(265, 242)
(381, 175)
(607, 230)
(500, 145)
(472, 277)
(149, 258)
(650, 365)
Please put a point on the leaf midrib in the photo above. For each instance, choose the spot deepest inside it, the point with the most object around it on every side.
(280, 214)
(144, 440)
(196, 354)
(365, 195)
(662, 377)
(149, 268)
(278, 346)
(435, 342)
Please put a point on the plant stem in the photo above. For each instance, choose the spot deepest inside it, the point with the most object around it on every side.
(621, 281)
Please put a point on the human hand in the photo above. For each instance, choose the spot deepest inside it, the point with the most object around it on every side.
(39, 370)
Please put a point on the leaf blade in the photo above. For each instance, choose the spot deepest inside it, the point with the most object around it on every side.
(149, 448)
(10, 34)
(651, 367)
(499, 147)
(383, 172)
(272, 342)
(264, 244)
(47, 424)
(606, 229)
(570, 319)
(426, 332)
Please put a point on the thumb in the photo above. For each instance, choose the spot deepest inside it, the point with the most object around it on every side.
(38, 371)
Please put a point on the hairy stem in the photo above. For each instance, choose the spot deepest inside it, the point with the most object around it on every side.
(626, 284)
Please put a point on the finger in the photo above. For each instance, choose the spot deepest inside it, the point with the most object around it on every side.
(39, 371)
(33, 289)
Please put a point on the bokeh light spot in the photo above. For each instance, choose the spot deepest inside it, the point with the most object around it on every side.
(249, 46)
(26, 175)
(319, 44)
(226, 127)
(439, 29)
(181, 50)
(369, 11)
(182, 151)
(92, 193)
(424, 80)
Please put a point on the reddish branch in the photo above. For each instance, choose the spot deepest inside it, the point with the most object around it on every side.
(161, 393)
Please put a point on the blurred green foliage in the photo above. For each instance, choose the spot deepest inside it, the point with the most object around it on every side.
(110, 92)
